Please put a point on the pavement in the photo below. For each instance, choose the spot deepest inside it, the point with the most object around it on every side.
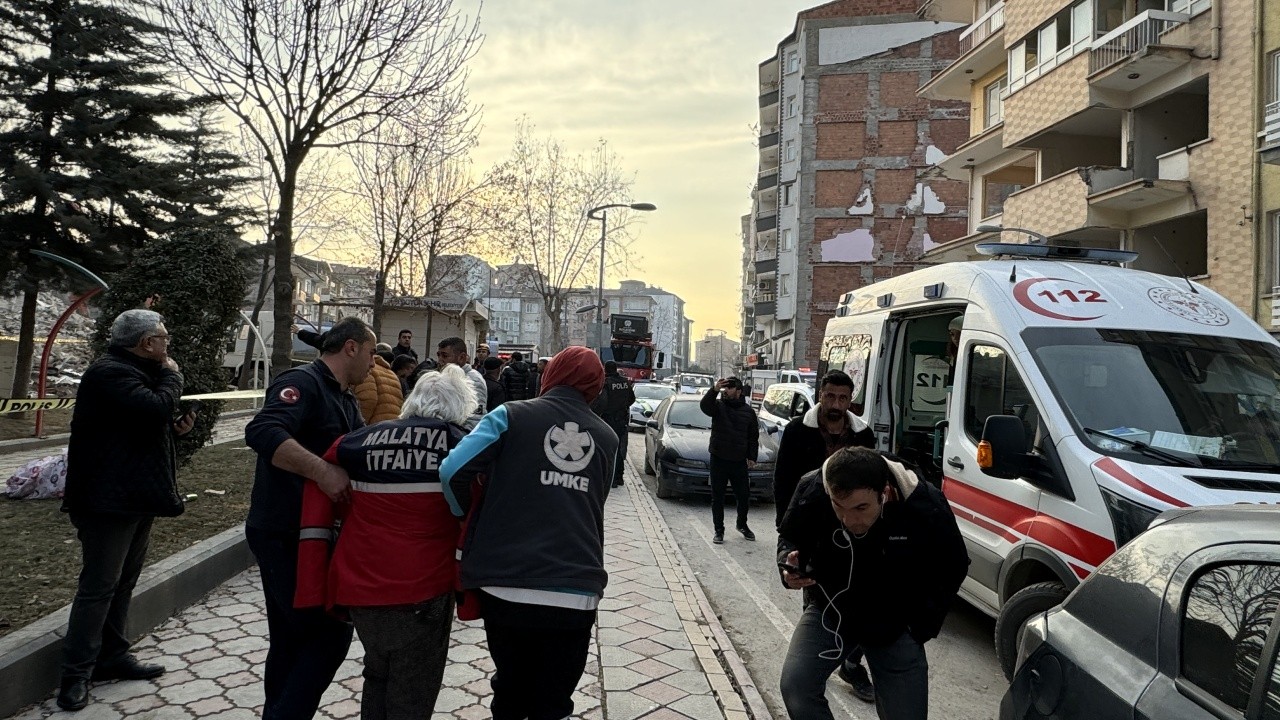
(658, 650)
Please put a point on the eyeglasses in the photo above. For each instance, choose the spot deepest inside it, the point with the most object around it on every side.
(164, 337)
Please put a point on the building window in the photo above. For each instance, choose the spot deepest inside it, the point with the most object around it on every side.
(636, 304)
(786, 194)
(790, 151)
(1190, 7)
(1069, 32)
(1272, 269)
(998, 185)
(793, 61)
(784, 285)
(791, 106)
(1273, 77)
(785, 240)
(994, 105)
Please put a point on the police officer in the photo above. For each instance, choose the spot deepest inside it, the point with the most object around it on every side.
(306, 409)
(614, 407)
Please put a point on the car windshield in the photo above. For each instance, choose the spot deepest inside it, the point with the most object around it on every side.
(653, 391)
(687, 415)
(810, 379)
(626, 354)
(695, 381)
(1212, 401)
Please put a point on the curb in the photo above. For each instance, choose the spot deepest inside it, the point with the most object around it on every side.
(742, 699)
(34, 443)
(31, 657)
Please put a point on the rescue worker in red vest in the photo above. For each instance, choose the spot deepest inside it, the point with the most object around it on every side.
(393, 566)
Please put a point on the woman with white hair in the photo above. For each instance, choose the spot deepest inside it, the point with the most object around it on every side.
(393, 566)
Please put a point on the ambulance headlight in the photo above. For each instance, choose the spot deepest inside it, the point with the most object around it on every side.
(1127, 517)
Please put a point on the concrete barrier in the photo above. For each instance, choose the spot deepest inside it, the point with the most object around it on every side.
(30, 656)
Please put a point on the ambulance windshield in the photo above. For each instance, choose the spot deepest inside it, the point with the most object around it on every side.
(1209, 401)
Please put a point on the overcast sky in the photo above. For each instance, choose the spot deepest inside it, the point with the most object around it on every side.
(671, 85)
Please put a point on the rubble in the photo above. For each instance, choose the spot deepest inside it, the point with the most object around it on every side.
(71, 353)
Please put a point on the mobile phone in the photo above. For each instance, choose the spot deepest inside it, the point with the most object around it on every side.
(792, 569)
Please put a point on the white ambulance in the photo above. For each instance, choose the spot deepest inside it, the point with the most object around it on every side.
(1105, 395)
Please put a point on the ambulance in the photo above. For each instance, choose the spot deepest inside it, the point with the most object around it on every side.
(1061, 401)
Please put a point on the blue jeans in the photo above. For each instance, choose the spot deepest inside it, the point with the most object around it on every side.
(899, 670)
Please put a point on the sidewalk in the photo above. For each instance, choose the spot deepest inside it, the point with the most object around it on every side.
(657, 651)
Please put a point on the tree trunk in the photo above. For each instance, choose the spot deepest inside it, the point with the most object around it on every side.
(282, 293)
(251, 342)
(26, 347)
(379, 295)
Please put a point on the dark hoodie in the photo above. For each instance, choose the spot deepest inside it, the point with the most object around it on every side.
(546, 466)
(735, 431)
(515, 380)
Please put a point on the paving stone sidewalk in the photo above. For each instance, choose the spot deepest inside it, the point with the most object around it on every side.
(658, 652)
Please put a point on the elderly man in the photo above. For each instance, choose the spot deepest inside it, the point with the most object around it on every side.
(121, 473)
(539, 581)
(306, 409)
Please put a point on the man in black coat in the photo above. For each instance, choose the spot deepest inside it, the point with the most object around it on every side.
(515, 378)
(614, 407)
(881, 549)
(735, 444)
(497, 395)
(121, 473)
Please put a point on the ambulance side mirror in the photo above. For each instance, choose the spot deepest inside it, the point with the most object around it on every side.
(1002, 452)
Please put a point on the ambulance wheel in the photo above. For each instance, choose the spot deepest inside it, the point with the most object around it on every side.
(1018, 609)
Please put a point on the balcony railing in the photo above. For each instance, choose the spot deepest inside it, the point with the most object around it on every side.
(768, 140)
(766, 254)
(765, 223)
(1271, 124)
(769, 98)
(767, 181)
(991, 21)
(1132, 37)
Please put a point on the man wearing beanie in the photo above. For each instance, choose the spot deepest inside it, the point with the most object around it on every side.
(535, 551)
(735, 440)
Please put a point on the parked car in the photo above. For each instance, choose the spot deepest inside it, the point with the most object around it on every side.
(648, 396)
(784, 401)
(693, 384)
(676, 441)
(1179, 623)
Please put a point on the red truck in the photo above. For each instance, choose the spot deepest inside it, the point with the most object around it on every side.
(631, 346)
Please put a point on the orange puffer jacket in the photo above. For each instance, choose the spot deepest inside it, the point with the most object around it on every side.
(379, 394)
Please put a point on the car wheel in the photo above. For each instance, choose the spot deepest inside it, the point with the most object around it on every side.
(648, 466)
(660, 487)
(1017, 610)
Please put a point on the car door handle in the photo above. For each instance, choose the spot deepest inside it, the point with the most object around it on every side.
(955, 463)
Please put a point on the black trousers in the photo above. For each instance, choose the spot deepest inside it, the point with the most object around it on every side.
(307, 646)
(113, 548)
(539, 654)
(620, 459)
(405, 649)
(724, 472)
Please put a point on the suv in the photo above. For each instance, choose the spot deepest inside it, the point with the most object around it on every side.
(1179, 623)
(784, 401)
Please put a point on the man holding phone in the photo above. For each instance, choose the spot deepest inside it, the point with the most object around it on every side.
(735, 441)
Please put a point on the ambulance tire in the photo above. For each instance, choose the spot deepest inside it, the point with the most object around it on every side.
(1018, 609)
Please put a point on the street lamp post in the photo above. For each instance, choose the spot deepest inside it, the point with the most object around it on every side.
(604, 222)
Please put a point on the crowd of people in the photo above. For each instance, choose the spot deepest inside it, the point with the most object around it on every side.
(392, 494)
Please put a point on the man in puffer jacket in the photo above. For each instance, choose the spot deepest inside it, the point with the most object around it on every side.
(881, 550)
(515, 378)
(535, 549)
(735, 444)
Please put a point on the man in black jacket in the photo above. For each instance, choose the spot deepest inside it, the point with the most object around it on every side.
(614, 407)
(121, 473)
(735, 441)
(492, 372)
(306, 409)
(515, 378)
(808, 441)
(884, 553)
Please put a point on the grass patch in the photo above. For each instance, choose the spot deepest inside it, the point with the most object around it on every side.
(42, 556)
(15, 426)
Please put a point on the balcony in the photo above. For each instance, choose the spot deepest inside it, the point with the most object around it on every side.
(982, 50)
(1132, 55)
(769, 180)
(981, 148)
(768, 99)
(765, 223)
(766, 305)
(1271, 133)
(1060, 204)
(766, 266)
(766, 253)
(769, 140)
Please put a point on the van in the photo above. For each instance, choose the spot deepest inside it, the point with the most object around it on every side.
(1061, 401)
(784, 401)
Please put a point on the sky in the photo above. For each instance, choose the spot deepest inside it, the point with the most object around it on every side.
(672, 86)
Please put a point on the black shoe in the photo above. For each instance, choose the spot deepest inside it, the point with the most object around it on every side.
(719, 538)
(746, 532)
(618, 484)
(128, 669)
(862, 687)
(74, 694)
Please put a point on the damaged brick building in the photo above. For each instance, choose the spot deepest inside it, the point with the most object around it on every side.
(846, 192)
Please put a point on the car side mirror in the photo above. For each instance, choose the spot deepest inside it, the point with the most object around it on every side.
(1003, 450)
(651, 424)
(647, 413)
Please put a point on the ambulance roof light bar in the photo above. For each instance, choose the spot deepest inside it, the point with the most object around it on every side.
(1057, 252)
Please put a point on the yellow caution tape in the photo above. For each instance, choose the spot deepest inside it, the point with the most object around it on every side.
(10, 405)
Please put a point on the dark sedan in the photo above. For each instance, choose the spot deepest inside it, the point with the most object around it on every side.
(1179, 623)
(675, 450)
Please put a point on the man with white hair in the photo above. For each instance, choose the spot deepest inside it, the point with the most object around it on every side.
(121, 473)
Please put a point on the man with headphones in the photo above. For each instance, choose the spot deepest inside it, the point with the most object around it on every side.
(882, 550)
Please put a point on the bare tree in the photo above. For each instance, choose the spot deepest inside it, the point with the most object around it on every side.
(302, 76)
(546, 195)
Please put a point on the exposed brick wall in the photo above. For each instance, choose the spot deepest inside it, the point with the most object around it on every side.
(894, 186)
(840, 139)
(948, 134)
(860, 8)
(836, 188)
(898, 137)
(898, 90)
(843, 92)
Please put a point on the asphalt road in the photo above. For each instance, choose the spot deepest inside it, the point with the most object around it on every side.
(740, 580)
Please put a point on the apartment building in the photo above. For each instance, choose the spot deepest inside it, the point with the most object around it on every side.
(846, 193)
(664, 310)
(718, 354)
(1269, 162)
(1118, 123)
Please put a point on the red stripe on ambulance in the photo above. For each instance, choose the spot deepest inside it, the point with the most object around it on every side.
(1112, 468)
